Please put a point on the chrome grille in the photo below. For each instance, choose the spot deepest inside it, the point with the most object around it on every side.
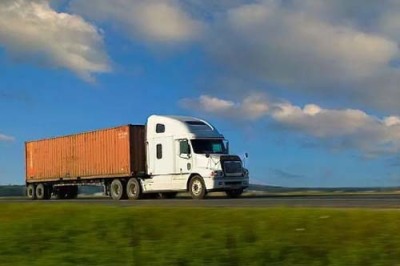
(233, 168)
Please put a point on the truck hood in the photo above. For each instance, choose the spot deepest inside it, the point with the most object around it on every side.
(213, 162)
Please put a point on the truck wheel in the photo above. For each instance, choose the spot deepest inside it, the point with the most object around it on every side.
(234, 193)
(40, 192)
(117, 189)
(30, 192)
(133, 189)
(197, 189)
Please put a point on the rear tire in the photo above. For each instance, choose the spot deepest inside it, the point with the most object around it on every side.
(30, 192)
(197, 188)
(117, 189)
(234, 193)
(133, 189)
(40, 192)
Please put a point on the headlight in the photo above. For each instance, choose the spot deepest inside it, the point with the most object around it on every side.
(217, 173)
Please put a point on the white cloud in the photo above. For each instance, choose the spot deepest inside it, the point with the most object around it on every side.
(392, 121)
(339, 129)
(389, 24)
(162, 21)
(300, 47)
(212, 104)
(292, 39)
(348, 128)
(255, 106)
(252, 107)
(6, 138)
(320, 122)
(31, 30)
(333, 50)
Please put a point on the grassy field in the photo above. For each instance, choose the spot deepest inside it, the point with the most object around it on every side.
(70, 234)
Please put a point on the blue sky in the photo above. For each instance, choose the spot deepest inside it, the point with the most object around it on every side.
(308, 88)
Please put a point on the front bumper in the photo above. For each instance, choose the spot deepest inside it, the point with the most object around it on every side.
(223, 184)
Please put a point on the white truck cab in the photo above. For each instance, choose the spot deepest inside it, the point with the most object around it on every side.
(189, 154)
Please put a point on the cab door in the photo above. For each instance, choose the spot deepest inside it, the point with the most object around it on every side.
(183, 165)
(161, 162)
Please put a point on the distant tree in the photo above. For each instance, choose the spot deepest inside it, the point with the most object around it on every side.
(12, 191)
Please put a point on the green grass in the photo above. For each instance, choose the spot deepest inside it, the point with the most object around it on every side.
(70, 234)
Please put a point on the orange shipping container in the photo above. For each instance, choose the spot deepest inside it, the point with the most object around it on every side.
(106, 153)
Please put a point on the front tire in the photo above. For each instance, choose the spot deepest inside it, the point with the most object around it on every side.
(117, 189)
(133, 189)
(197, 188)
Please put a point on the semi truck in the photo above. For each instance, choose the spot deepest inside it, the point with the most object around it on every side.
(167, 155)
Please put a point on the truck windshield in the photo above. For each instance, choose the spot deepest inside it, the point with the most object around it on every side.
(202, 146)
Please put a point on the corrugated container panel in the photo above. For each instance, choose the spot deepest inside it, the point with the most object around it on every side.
(109, 152)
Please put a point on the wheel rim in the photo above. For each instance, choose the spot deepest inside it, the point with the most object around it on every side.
(197, 187)
(132, 189)
(39, 192)
(30, 192)
(116, 189)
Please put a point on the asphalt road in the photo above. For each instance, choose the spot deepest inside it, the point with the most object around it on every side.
(378, 201)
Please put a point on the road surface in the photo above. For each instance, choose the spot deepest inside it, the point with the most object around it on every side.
(379, 201)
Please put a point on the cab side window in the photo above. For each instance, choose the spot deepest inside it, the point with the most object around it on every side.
(160, 128)
(159, 151)
(184, 147)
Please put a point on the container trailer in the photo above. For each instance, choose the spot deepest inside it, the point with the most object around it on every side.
(169, 154)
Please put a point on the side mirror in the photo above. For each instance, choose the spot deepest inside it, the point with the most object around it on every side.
(226, 146)
(246, 155)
